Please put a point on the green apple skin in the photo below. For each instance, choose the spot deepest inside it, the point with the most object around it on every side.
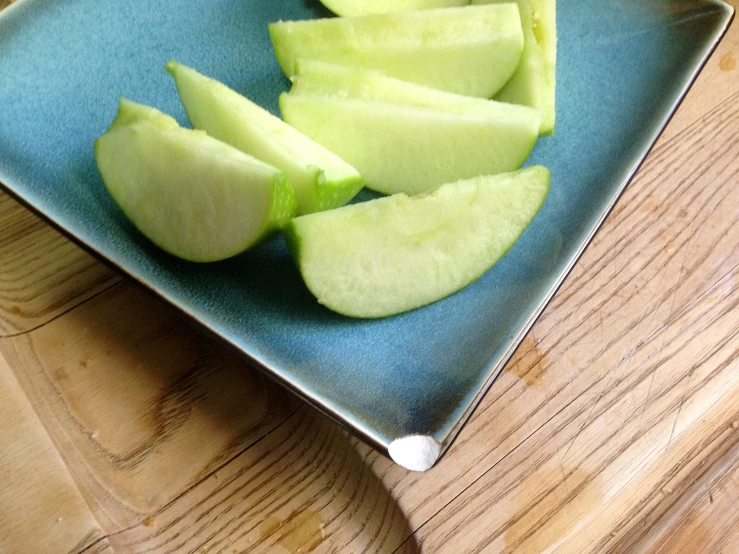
(320, 179)
(398, 253)
(415, 149)
(355, 8)
(534, 82)
(470, 50)
(190, 194)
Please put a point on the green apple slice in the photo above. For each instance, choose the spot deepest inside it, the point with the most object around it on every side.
(398, 253)
(320, 179)
(533, 83)
(190, 194)
(414, 149)
(353, 8)
(315, 77)
(471, 50)
(132, 112)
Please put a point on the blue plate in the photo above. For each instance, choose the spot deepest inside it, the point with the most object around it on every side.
(405, 384)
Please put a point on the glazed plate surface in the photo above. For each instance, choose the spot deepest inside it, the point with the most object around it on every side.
(623, 67)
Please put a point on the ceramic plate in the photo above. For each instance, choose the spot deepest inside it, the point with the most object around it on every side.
(405, 384)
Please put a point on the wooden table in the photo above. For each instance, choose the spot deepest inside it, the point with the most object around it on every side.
(123, 429)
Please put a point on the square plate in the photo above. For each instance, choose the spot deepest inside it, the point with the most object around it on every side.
(405, 384)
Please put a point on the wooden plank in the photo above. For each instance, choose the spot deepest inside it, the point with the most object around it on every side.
(304, 487)
(41, 509)
(648, 325)
(140, 404)
(42, 274)
(705, 517)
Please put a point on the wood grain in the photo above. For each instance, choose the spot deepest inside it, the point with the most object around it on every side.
(307, 471)
(140, 404)
(642, 343)
(612, 430)
(42, 274)
(45, 514)
(706, 518)
(100, 547)
(718, 80)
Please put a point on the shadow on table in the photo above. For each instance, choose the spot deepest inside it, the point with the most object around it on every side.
(180, 444)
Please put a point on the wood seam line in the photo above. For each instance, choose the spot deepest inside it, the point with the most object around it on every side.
(65, 312)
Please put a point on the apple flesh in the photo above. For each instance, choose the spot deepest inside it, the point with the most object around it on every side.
(397, 253)
(132, 112)
(470, 50)
(404, 137)
(320, 179)
(533, 83)
(190, 194)
(354, 8)
(313, 77)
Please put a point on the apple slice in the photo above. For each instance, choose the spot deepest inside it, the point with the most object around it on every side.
(472, 50)
(190, 194)
(315, 77)
(413, 149)
(354, 8)
(320, 179)
(398, 253)
(133, 112)
(533, 83)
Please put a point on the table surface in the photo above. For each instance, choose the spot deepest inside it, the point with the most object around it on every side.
(614, 428)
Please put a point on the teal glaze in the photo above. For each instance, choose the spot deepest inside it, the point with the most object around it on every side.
(623, 68)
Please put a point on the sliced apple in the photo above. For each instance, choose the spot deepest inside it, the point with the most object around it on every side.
(320, 179)
(190, 194)
(533, 83)
(315, 77)
(398, 253)
(132, 112)
(353, 8)
(413, 149)
(471, 50)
